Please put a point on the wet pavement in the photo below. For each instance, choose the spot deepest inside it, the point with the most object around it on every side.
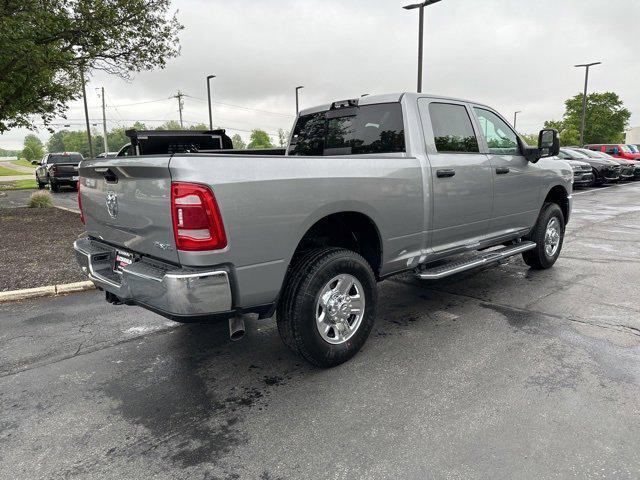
(504, 373)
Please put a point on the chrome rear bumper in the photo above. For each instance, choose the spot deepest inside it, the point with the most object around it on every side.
(166, 289)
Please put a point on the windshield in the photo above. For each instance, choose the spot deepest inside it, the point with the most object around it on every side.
(575, 153)
(62, 158)
(633, 148)
(360, 130)
(625, 149)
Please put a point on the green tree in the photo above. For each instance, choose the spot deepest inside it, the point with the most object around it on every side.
(238, 143)
(33, 148)
(605, 121)
(170, 125)
(259, 139)
(199, 126)
(46, 43)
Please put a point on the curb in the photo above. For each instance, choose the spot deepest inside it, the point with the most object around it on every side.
(48, 291)
(67, 209)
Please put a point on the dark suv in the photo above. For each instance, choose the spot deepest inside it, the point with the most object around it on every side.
(58, 169)
(629, 168)
(604, 170)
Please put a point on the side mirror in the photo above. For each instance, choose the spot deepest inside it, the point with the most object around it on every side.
(548, 143)
(35, 162)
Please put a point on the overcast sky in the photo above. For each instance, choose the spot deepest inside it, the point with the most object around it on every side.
(511, 54)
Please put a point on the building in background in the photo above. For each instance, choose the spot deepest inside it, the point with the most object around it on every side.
(633, 135)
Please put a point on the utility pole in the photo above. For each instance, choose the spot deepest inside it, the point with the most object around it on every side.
(584, 97)
(421, 6)
(209, 77)
(179, 96)
(104, 126)
(86, 111)
(515, 117)
(297, 103)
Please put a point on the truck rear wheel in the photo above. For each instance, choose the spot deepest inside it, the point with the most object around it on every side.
(55, 188)
(548, 235)
(328, 306)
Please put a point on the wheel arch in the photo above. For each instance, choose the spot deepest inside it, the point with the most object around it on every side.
(559, 195)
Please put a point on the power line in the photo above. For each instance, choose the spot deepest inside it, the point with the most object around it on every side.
(243, 108)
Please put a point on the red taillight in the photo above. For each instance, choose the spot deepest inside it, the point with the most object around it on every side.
(80, 202)
(197, 223)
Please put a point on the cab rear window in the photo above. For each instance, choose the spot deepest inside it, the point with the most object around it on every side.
(368, 129)
(71, 158)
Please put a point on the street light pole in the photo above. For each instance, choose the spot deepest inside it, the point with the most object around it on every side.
(86, 111)
(421, 6)
(209, 77)
(584, 97)
(515, 117)
(104, 125)
(297, 103)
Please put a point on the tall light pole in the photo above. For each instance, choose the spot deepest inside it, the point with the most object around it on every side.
(515, 117)
(297, 102)
(86, 110)
(421, 6)
(209, 77)
(584, 96)
(104, 125)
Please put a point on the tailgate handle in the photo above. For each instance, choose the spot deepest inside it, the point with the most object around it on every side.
(109, 176)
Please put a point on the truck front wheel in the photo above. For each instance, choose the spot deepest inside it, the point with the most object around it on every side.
(548, 235)
(328, 306)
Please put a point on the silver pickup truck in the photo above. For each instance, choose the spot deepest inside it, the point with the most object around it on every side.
(367, 188)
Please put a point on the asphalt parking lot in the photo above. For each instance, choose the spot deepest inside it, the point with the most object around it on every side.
(504, 373)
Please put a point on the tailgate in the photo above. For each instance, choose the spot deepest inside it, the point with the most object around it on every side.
(66, 169)
(127, 202)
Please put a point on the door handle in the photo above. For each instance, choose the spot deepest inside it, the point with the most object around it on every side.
(502, 170)
(445, 172)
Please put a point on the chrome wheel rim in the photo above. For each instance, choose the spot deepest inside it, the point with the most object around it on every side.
(340, 309)
(552, 237)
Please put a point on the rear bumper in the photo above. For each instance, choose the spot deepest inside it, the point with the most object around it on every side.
(174, 292)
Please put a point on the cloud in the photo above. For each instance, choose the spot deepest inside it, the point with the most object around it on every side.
(511, 54)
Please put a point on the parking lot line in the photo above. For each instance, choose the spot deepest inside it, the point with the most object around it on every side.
(593, 190)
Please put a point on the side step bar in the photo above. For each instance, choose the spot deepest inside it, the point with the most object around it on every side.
(482, 259)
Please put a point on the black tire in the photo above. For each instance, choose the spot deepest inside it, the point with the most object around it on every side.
(296, 313)
(538, 258)
(54, 187)
(597, 181)
(40, 185)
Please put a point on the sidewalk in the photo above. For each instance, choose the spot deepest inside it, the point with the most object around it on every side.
(15, 178)
(17, 168)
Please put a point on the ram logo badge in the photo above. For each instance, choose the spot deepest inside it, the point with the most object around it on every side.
(112, 204)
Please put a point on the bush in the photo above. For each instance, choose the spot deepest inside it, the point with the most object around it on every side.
(40, 200)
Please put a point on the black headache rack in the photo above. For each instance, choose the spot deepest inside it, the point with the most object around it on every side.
(162, 142)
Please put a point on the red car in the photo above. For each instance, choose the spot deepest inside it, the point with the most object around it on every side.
(616, 150)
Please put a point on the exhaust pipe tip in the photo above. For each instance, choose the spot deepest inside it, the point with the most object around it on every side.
(236, 328)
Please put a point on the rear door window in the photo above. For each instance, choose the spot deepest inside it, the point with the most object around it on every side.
(368, 129)
(452, 129)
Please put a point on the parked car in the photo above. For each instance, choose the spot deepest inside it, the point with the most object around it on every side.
(604, 170)
(582, 172)
(367, 188)
(624, 163)
(58, 169)
(615, 150)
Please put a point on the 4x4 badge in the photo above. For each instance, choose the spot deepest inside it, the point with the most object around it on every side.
(112, 204)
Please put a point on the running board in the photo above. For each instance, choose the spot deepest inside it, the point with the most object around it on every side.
(482, 259)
